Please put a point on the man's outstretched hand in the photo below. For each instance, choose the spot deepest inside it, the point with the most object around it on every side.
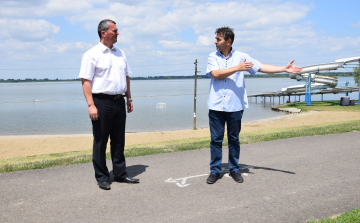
(290, 68)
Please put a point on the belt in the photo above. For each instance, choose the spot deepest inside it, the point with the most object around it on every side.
(109, 96)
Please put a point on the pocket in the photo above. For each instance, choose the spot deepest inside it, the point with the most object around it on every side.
(99, 71)
(119, 62)
(101, 68)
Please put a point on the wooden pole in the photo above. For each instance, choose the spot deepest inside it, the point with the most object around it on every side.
(195, 121)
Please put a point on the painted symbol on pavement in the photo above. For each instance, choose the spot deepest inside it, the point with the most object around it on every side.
(181, 182)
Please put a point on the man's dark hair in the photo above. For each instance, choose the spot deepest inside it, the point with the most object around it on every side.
(104, 26)
(228, 33)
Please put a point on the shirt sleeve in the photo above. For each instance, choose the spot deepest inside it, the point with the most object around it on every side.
(211, 65)
(256, 66)
(87, 68)
(128, 70)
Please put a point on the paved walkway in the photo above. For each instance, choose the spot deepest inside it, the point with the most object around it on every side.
(289, 180)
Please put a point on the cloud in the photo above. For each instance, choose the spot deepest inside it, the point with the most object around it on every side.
(205, 41)
(356, 24)
(27, 29)
(157, 31)
(16, 49)
(45, 8)
(202, 16)
(170, 55)
(175, 45)
(166, 20)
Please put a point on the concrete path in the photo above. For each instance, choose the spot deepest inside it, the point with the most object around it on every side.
(289, 180)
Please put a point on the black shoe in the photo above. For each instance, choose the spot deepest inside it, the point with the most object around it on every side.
(237, 177)
(212, 178)
(127, 179)
(104, 185)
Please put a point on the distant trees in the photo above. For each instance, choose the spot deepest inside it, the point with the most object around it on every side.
(34, 80)
(356, 75)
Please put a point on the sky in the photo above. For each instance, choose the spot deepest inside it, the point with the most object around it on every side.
(47, 38)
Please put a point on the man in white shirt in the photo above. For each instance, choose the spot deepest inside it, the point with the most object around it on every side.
(105, 80)
(228, 98)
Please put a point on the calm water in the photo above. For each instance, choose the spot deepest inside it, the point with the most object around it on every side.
(65, 111)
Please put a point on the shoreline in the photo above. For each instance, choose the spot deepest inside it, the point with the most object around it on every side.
(30, 145)
(85, 135)
(177, 130)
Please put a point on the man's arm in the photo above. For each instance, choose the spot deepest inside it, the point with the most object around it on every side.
(271, 69)
(224, 73)
(129, 103)
(93, 112)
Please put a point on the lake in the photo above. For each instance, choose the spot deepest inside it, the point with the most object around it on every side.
(62, 109)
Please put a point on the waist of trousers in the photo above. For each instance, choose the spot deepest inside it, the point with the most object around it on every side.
(109, 96)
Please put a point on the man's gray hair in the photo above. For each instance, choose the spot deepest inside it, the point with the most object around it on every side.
(104, 26)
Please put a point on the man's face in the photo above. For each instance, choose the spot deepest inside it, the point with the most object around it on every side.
(112, 33)
(220, 42)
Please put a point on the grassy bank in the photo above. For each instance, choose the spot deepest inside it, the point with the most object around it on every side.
(323, 106)
(61, 159)
(352, 216)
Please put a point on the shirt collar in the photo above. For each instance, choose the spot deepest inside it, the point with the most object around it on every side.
(222, 56)
(104, 48)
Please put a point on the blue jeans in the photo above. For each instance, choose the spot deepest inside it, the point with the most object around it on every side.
(217, 121)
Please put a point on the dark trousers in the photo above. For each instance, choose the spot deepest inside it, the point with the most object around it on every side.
(111, 122)
(217, 120)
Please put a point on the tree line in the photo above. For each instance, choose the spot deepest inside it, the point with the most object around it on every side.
(282, 75)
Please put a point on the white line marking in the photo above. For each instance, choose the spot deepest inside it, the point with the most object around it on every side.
(183, 180)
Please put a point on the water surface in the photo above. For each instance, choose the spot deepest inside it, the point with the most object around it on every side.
(61, 108)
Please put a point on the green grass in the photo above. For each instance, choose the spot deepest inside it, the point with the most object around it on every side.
(323, 106)
(61, 159)
(347, 217)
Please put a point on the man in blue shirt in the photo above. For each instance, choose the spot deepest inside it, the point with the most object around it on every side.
(228, 98)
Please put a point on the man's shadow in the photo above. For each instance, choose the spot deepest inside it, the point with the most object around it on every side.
(132, 171)
(244, 168)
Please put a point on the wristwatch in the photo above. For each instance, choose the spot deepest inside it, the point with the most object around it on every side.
(129, 99)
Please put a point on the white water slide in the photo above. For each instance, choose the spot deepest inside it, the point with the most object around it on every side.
(318, 82)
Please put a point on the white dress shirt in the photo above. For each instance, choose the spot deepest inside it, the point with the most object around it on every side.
(229, 94)
(106, 69)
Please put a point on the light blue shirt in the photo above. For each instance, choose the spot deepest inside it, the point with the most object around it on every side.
(229, 94)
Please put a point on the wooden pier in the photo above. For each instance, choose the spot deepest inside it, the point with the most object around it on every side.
(273, 94)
